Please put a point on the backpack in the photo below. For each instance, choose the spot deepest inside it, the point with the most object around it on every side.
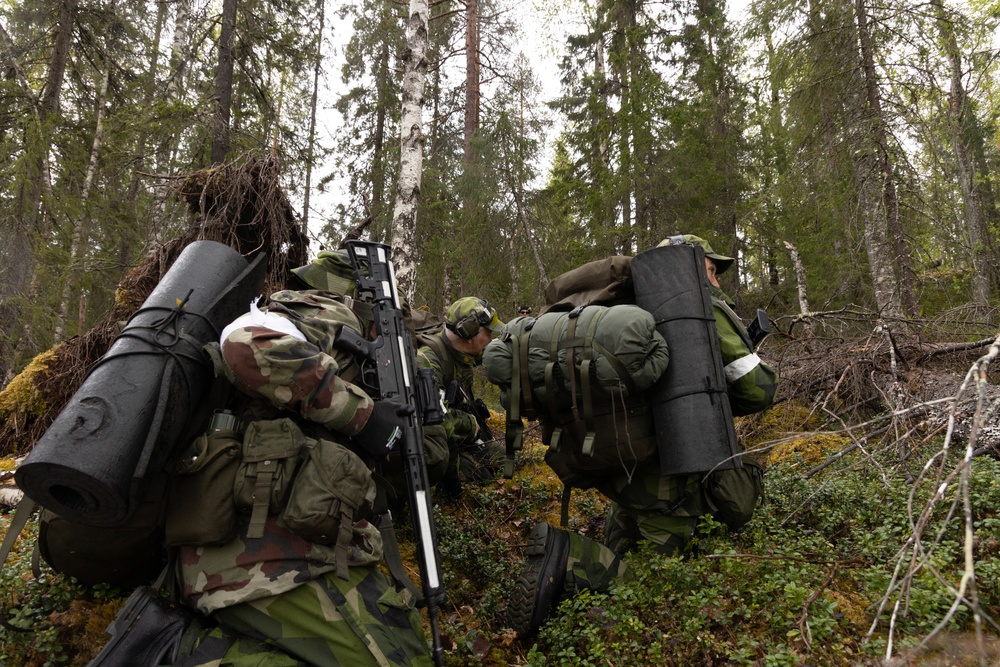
(732, 494)
(582, 373)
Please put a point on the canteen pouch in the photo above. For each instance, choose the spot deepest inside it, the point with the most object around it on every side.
(331, 489)
(270, 457)
(734, 494)
(201, 509)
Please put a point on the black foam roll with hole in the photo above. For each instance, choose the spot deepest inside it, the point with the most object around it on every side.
(116, 432)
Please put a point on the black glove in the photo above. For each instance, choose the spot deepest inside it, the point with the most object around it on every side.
(481, 409)
(383, 430)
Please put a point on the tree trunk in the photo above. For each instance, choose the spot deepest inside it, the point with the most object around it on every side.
(224, 84)
(179, 50)
(82, 225)
(36, 204)
(311, 139)
(963, 132)
(404, 222)
(906, 280)
(471, 78)
(379, 205)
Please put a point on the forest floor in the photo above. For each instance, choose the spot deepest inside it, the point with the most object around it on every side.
(877, 545)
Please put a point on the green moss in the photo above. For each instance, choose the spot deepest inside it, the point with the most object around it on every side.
(22, 394)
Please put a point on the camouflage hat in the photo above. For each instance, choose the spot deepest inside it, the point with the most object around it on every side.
(462, 316)
(721, 261)
(331, 271)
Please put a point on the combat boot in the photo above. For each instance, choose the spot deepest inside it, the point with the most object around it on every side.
(543, 581)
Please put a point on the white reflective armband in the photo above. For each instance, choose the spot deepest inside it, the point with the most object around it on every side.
(737, 369)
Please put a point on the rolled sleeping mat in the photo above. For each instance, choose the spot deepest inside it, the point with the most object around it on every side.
(95, 461)
(690, 407)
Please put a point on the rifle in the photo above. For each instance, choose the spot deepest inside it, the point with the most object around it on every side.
(459, 399)
(759, 328)
(392, 354)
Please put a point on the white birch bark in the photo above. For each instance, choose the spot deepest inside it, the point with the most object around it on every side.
(404, 218)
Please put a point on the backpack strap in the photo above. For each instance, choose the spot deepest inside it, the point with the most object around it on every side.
(550, 385)
(435, 342)
(514, 437)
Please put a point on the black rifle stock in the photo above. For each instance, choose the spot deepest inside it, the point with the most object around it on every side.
(392, 352)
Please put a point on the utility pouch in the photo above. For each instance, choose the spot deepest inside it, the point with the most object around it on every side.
(332, 488)
(270, 457)
(734, 494)
(200, 509)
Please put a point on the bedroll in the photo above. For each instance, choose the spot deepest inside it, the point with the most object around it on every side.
(582, 373)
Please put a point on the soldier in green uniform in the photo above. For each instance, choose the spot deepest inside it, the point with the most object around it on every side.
(662, 509)
(279, 598)
(452, 354)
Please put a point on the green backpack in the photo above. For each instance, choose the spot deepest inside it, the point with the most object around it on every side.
(582, 374)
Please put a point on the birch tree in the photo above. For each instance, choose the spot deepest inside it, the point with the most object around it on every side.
(404, 223)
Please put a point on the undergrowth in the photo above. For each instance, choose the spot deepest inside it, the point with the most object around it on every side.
(810, 581)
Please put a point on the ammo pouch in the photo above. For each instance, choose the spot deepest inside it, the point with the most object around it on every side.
(734, 494)
(200, 509)
(270, 457)
(316, 487)
(332, 487)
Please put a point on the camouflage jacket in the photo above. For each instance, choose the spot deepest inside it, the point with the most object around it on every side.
(297, 367)
(244, 569)
(751, 383)
(460, 425)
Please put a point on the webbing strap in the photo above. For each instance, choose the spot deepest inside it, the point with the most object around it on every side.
(435, 342)
(588, 400)
(564, 509)
(526, 394)
(515, 429)
(550, 384)
(261, 497)
(393, 560)
(619, 367)
(344, 536)
(568, 343)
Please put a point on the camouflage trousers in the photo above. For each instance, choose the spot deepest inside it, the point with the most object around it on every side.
(661, 509)
(327, 621)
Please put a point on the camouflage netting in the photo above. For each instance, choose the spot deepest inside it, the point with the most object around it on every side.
(240, 204)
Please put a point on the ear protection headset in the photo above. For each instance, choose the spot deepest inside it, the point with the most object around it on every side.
(468, 327)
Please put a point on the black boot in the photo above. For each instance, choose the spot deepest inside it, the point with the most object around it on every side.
(541, 584)
(146, 632)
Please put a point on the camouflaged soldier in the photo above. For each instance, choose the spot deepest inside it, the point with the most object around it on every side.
(469, 326)
(299, 597)
(662, 509)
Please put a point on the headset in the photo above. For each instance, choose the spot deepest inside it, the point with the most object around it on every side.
(468, 327)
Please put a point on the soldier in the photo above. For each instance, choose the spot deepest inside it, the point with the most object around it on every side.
(663, 509)
(299, 597)
(453, 353)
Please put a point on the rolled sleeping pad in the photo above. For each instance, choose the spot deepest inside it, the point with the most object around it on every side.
(96, 460)
(691, 412)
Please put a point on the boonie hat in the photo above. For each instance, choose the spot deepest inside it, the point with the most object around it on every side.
(331, 271)
(469, 309)
(721, 261)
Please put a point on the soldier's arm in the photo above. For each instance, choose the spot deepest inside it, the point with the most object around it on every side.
(458, 424)
(294, 373)
(751, 383)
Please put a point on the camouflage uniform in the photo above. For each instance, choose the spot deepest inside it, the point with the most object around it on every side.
(665, 509)
(469, 459)
(662, 509)
(281, 588)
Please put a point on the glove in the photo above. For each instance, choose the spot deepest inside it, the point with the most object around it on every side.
(481, 410)
(383, 430)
